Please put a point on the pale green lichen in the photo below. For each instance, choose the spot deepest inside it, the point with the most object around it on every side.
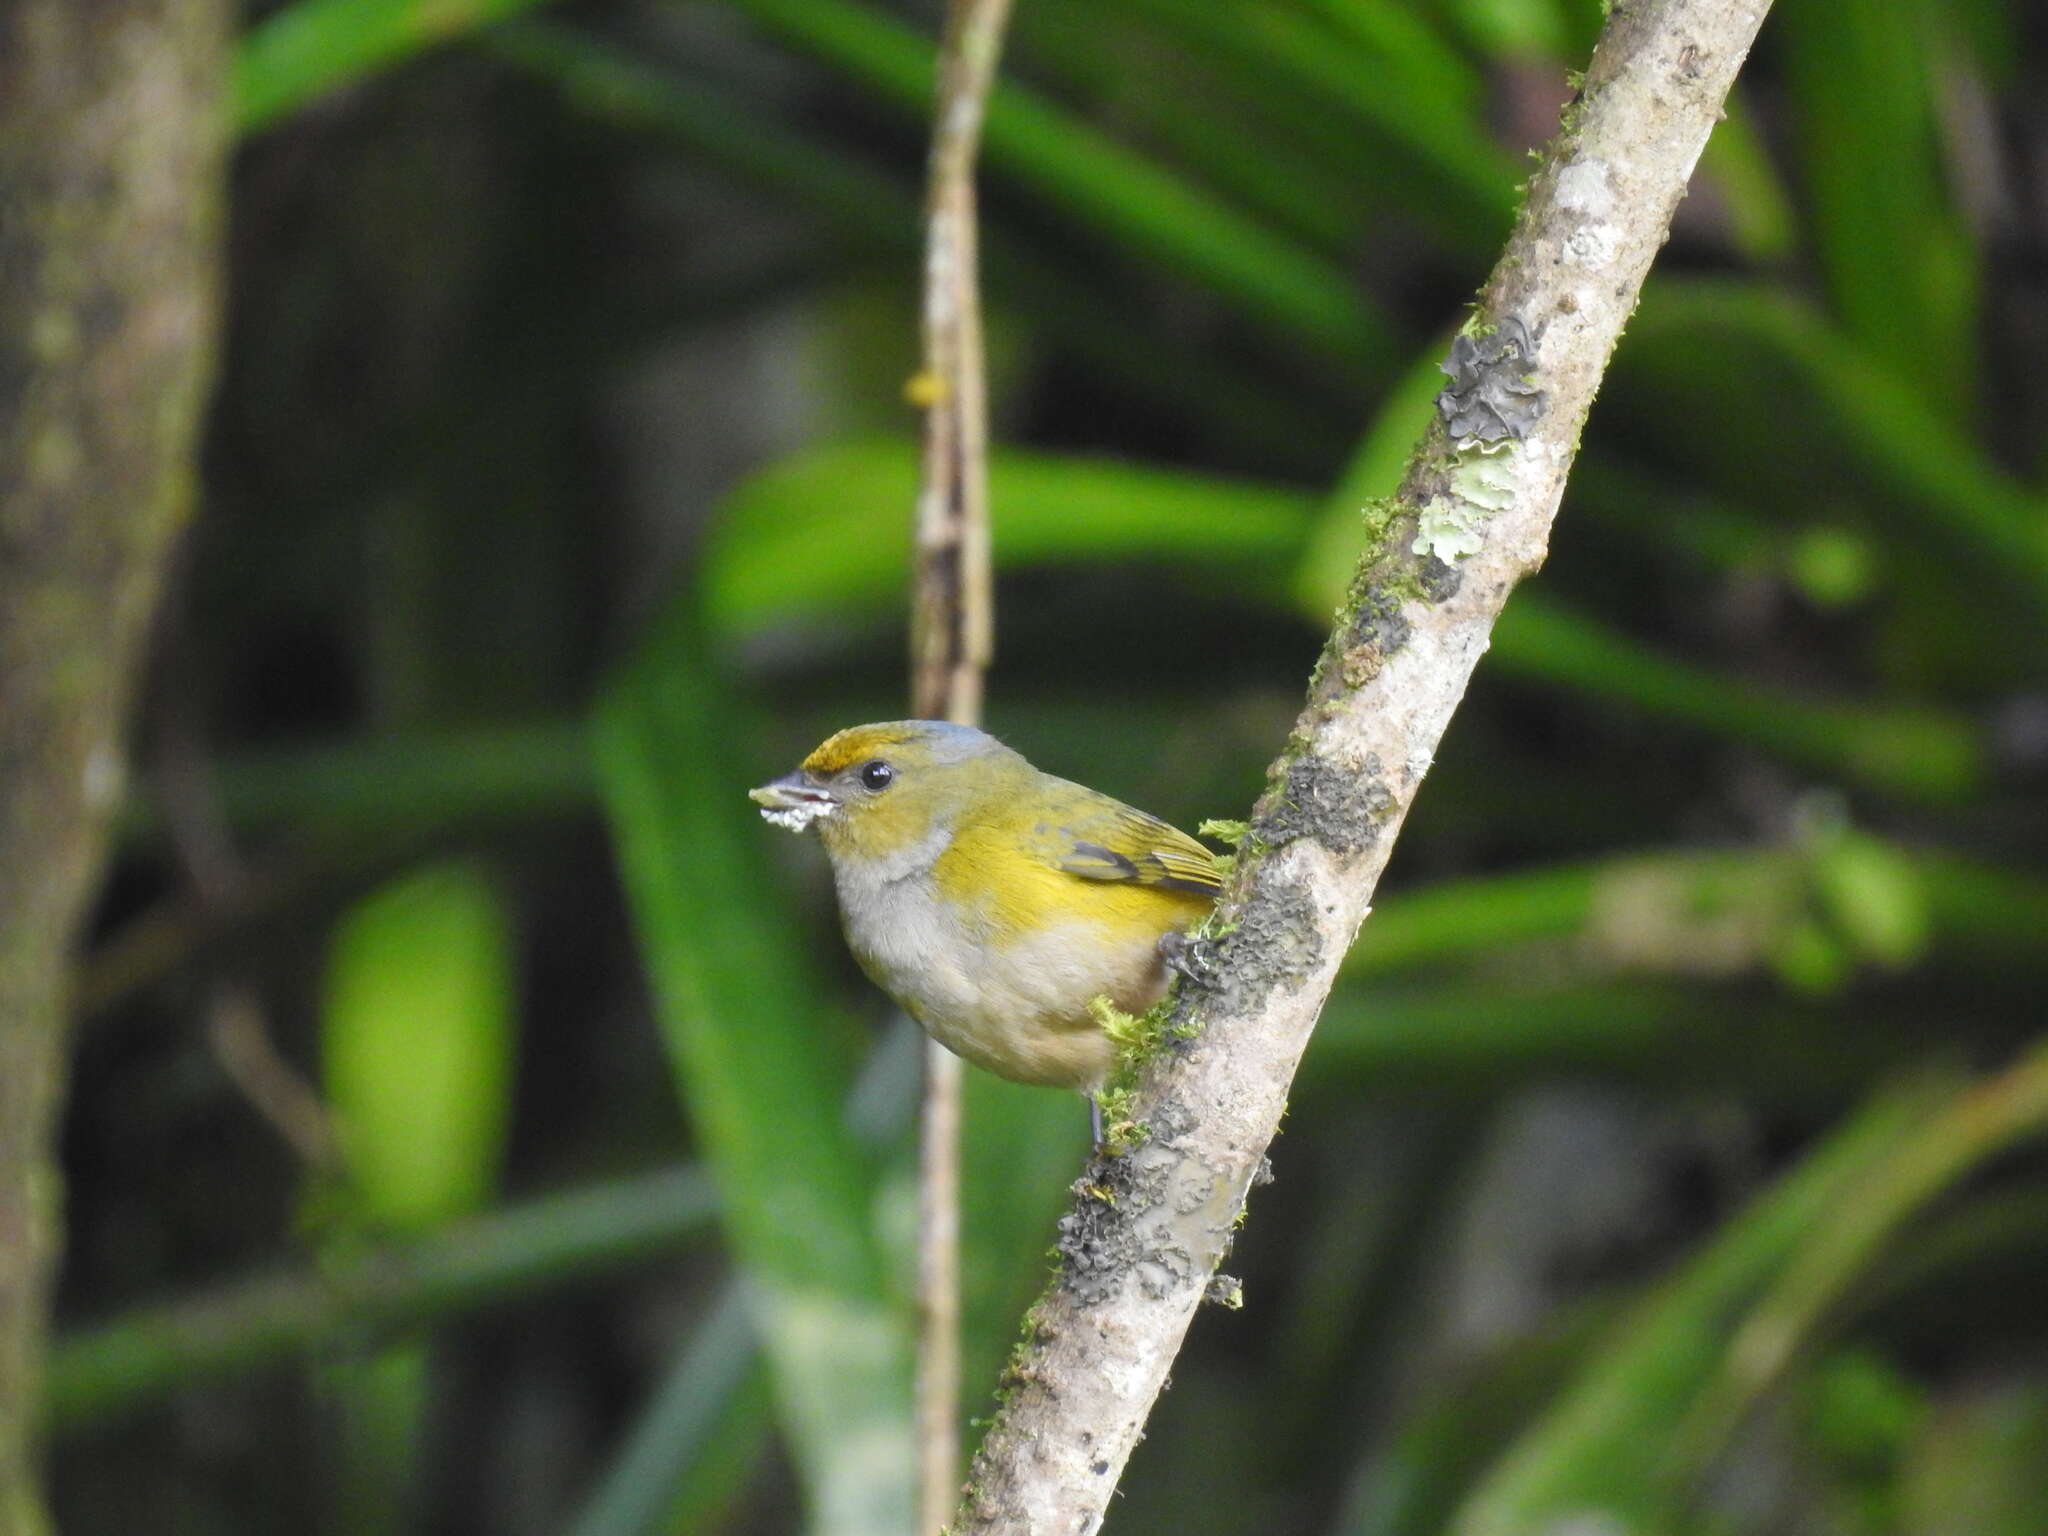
(1449, 530)
(1453, 526)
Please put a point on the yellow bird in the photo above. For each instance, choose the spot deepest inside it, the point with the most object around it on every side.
(992, 901)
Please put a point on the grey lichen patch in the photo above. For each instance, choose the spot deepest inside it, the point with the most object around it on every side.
(1377, 624)
(1104, 1239)
(1097, 1243)
(1439, 581)
(1196, 1190)
(1172, 1119)
(1341, 808)
(1277, 942)
(1164, 1266)
(1491, 397)
(1373, 625)
(1480, 479)
(1370, 628)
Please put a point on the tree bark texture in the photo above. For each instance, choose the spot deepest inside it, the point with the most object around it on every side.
(1143, 1240)
(111, 136)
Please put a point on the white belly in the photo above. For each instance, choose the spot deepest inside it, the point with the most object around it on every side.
(1008, 1009)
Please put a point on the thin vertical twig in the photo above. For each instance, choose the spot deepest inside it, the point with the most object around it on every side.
(951, 639)
(197, 829)
(938, 1292)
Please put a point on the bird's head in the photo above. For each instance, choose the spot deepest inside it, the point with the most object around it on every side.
(879, 793)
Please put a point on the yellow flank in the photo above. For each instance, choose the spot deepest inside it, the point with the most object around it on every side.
(1010, 876)
(992, 901)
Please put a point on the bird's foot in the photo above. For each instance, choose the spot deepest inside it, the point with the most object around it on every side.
(1194, 959)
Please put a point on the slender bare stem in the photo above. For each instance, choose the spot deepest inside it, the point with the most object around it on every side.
(952, 637)
(938, 1291)
(1143, 1240)
(237, 1026)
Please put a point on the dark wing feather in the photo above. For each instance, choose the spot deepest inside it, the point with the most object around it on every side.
(1118, 843)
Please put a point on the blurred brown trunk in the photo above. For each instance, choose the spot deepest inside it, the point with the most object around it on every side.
(112, 125)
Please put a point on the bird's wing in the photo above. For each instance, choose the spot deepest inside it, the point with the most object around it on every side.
(1115, 842)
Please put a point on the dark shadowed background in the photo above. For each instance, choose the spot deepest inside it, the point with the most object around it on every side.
(462, 1055)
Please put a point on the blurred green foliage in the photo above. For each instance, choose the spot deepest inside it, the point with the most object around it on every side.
(1664, 1162)
(417, 1043)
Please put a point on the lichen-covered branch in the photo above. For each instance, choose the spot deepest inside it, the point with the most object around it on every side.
(1148, 1229)
(952, 638)
(111, 135)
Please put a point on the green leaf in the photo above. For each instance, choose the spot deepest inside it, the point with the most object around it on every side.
(860, 202)
(1737, 164)
(1875, 897)
(461, 776)
(695, 1441)
(1899, 260)
(1375, 471)
(315, 46)
(1147, 79)
(762, 1062)
(1832, 567)
(1424, 124)
(1918, 753)
(800, 542)
(418, 1028)
(1394, 36)
(1155, 214)
(1848, 1236)
(1810, 959)
(823, 534)
(1600, 1452)
(1793, 406)
(1523, 30)
(1859, 1408)
(1412, 1485)
(1020, 1150)
(717, 126)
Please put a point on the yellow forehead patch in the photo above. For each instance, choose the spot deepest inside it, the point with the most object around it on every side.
(857, 744)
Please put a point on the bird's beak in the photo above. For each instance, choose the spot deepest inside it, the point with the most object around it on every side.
(794, 801)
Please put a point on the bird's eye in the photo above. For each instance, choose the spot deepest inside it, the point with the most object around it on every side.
(877, 775)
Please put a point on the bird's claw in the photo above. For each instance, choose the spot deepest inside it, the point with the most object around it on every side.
(1194, 959)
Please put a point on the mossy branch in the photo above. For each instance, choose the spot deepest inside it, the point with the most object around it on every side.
(111, 133)
(1140, 1247)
